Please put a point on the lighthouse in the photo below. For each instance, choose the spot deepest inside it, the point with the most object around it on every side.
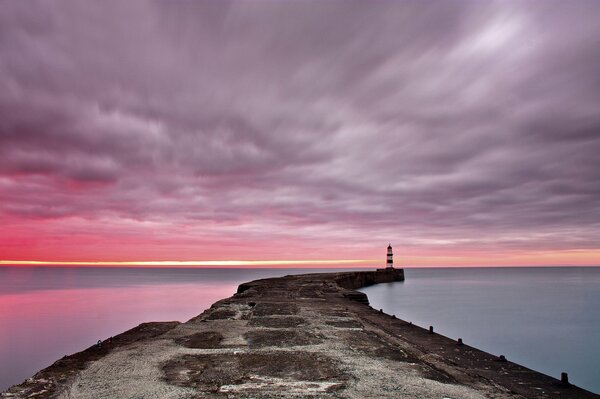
(390, 257)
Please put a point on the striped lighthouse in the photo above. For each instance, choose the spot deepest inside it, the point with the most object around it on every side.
(390, 257)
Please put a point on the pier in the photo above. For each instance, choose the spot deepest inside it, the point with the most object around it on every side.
(294, 336)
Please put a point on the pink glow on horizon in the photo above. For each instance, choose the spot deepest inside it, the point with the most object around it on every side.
(134, 241)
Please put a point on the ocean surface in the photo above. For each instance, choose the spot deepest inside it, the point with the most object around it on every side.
(49, 312)
(547, 319)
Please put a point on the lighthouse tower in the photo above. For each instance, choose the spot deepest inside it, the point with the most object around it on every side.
(390, 256)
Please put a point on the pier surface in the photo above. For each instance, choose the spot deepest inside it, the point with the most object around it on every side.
(306, 335)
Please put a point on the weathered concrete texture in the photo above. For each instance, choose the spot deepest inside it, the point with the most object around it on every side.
(297, 336)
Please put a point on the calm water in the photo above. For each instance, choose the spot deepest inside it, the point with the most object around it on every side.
(47, 312)
(547, 319)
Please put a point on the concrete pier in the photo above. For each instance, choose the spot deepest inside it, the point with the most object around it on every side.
(307, 335)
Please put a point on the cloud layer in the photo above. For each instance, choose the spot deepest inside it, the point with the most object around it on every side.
(307, 129)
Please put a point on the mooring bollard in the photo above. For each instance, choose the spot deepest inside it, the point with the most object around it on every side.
(430, 329)
(380, 310)
(502, 358)
(393, 316)
(564, 378)
(460, 341)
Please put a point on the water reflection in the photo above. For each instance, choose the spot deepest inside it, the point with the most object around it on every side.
(42, 325)
(48, 312)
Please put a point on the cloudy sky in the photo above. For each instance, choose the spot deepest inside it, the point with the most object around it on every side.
(462, 132)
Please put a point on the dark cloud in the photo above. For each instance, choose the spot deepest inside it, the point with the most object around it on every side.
(429, 123)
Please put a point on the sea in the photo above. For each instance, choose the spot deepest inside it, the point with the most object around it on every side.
(544, 318)
(547, 319)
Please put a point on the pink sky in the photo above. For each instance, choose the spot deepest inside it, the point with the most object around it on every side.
(306, 130)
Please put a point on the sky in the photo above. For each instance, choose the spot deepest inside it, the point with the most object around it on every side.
(463, 133)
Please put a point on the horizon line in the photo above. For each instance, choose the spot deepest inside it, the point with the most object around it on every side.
(258, 263)
(189, 262)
